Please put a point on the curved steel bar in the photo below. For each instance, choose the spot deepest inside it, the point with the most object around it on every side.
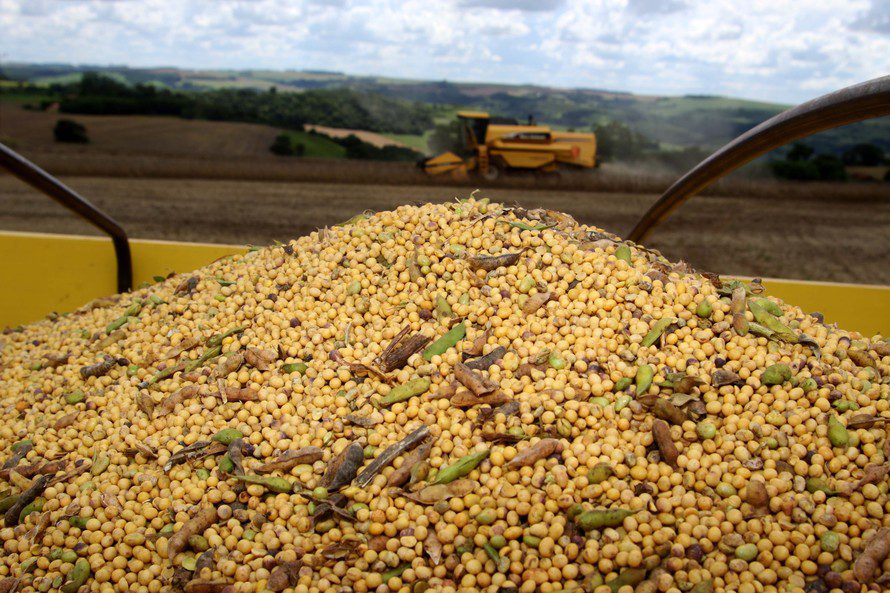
(848, 105)
(46, 183)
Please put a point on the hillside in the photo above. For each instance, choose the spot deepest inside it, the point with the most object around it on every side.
(673, 122)
(152, 135)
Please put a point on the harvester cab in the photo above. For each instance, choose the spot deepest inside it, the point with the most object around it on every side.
(488, 146)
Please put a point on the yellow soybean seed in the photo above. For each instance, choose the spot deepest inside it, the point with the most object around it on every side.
(590, 417)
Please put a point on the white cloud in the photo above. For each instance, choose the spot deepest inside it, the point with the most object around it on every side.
(526, 5)
(782, 50)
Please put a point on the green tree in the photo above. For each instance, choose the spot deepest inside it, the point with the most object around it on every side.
(800, 152)
(830, 167)
(67, 130)
(864, 155)
(795, 170)
(803, 164)
(93, 83)
(283, 145)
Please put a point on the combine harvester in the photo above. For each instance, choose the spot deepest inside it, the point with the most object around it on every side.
(43, 273)
(491, 146)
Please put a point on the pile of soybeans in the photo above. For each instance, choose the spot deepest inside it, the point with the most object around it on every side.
(453, 397)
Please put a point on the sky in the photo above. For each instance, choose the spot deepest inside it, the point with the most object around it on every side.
(775, 50)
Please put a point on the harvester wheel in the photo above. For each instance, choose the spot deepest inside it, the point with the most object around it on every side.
(493, 173)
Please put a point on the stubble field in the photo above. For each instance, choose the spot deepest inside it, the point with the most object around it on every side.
(792, 236)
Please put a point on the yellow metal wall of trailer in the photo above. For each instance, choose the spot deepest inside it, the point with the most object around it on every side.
(41, 273)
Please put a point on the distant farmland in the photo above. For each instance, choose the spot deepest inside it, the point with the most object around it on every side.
(152, 135)
(170, 147)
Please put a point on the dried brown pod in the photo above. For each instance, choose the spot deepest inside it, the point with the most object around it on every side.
(325, 509)
(661, 433)
(35, 469)
(467, 399)
(109, 500)
(205, 560)
(11, 519)
(66, 421)
(341, 550)
(145, 403)
(231, 363)
(723, 377)
(492, 262)
(873, 473)
(863, 421)
(357, 368)
(187, 286)
(43, 521)
(260, 358)
(200, 522)
(10, 584)
(401, 475)
(527, 368)
(80, 466)
(483, 362)
(432, 547)
(20, 453)
(184, 346)
(531, 454)
(390, 453)
(757, 496)
(436, 492)
(445, 391)
(861, 358)
(400, 349)
(53, 361)
(208, 586)
(236, 456)
(501, 437)
(511, 408)
(873, 555)
(668, 411)
(168, 405)
(478, 344)
(100, 368)
(195, 451)
(286, 574)
(140, 447)
(686, 384)
(241, 394)
(343, 468)
(365, 421)
(535, 302)
(473, 380)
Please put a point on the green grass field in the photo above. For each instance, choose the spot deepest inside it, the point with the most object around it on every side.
(416, 141)
(318, 146)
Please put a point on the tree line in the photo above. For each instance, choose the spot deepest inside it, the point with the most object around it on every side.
(96, 94)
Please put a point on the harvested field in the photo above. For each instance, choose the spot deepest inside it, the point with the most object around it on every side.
(112, 135)
(609, 178)
(791, 236)
(378, 140)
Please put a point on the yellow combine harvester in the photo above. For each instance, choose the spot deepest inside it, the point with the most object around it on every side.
(490, 146)
(45, 273)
